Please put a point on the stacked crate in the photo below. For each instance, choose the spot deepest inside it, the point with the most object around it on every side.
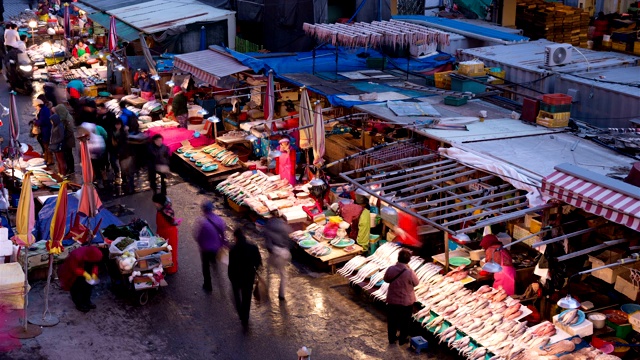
(555, 110)
(552, 21)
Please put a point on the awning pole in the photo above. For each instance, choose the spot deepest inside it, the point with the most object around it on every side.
(432, 182)
(446, 252)
(466, 202)
(387, 176)
(606, 244)
(566, 236)
(449, 187)
(424, 178)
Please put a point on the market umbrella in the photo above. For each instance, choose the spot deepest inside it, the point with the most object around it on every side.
(67, 22)
(25, 221)
(14, 122)
(113, 34)
(306, 119)
(54, 246)
(203, 38)
(89, 203)
(318, 136)
(269, 99)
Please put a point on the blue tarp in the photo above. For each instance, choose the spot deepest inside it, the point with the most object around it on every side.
(464, 26)
(43, 222)
(325, 61)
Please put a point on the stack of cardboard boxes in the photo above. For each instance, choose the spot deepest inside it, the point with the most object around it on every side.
(553, 21)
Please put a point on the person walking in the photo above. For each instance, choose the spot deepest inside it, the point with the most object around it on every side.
(129, 118)
(400, 298)
(79, 273)
(209, 234)
(179, 106)
(122, 152)
(96, 138)
(244, 262)
(43, 122)
(158, 163)
(56, 143)
(277, 241)
(167, 227)
(69, 137)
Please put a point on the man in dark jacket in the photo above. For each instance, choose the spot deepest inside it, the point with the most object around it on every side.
(158, 163)
(244, 261)
(277, 241)
(209, 234)
(400, 297)
(121, 153)
(44, 124)
(56, 143)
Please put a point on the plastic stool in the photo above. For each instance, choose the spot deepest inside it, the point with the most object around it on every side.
(418, 343)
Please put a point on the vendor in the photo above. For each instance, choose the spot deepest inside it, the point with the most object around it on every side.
(167, 227)
(179, 107)
(505, 278)
(147, 86)
(80, 49)
(79, 273)
(286, 162)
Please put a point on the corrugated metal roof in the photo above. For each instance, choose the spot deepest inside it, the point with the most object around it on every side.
(530, 56)
(86, 8)
(124, 31)
(208, 65)
(106, 5)
(490, 129)
(602, 98)
(539, 154)
(159, 15)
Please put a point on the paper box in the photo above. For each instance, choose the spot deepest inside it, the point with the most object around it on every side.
(584, 329)
(625, 287)
(150, 258)
(607, 257)
(40, 257)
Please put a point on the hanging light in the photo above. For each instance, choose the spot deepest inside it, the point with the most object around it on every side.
(155, 77)
(275, 154)
(214, 119)
(100, 54)
(33, 24)
(170, 83)
(109, 57)
(202, 112)
(461, 238)
(251, 138)
(91, 41)
(492, 266)
(5, 110)
(119, 67)
(568, 302)
(316, 182)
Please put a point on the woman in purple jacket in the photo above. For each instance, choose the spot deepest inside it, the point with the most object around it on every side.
(209, 233)
(400, 298)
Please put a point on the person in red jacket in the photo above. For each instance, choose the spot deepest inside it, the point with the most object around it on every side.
(167, 227)
(80, 49)
(601, 25)
(79, 273)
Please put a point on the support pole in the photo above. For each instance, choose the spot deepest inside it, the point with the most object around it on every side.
(446, 252)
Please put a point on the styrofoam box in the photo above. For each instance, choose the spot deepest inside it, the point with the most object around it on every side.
(584, 329)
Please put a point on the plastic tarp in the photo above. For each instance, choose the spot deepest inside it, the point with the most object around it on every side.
(478, 7)
(43, 222)
(504, 171)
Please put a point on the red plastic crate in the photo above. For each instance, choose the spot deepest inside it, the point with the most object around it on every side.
(556, 99)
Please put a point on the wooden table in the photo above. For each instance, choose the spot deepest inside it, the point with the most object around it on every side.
(336, 256)
(222, 173)
(227, 142)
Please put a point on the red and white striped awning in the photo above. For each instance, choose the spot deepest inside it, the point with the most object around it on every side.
(597, 194)
(208, 65)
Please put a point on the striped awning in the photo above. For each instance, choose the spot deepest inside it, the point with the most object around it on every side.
(208, 65)
(597, 194)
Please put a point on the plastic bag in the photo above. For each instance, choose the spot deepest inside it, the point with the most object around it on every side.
(113, 249)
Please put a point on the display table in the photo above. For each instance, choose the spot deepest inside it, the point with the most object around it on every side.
(211, 176)
(336, 256)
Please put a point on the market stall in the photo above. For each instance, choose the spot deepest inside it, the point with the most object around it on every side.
(330, 251)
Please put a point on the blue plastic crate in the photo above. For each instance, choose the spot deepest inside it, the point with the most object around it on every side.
(468, 85)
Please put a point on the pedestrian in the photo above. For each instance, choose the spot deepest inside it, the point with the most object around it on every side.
(276, 234)
(107, 120)
(400, 298)
(56, 142)
(158, 164)
(179, 107)
(167, 227)
(43, 122)
(96, 138)
(244, 262)
(122, 152)
(69, 137)
(209, 234)
(11, 36)
(79, 273)
(129, 118)
(75, 90)
(23, 58)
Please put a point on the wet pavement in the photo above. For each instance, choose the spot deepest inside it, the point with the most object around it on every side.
(181, 321)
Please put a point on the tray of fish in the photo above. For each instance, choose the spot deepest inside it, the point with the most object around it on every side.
(573, 317)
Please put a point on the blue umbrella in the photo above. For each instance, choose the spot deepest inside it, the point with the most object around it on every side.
(203, 38)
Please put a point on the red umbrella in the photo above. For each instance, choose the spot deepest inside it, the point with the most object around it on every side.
(89, 203)
(113, 34)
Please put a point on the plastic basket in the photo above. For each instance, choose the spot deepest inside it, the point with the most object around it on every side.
(53, 60)
(556, 99)
(552, 123)
(455, 101)
(471, 67)
(555, 108)
(443, 79)
(498, 73)
(467, 85)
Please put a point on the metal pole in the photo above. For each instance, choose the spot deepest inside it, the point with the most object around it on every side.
(446, 252)
(566, 236)
(606, 244)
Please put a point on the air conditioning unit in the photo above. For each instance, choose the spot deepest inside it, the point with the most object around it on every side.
(557, 54)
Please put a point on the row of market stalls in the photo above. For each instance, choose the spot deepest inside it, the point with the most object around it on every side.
(354, 146)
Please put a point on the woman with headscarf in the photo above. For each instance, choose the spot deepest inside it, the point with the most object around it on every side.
(69, 137)
(505, 278)
(79, 273)
(167, 227)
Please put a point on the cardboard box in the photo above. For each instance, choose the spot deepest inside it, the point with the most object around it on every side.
(40, 257)
(607, 257)
(625, 287)
(519, 232)
(149, 258)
